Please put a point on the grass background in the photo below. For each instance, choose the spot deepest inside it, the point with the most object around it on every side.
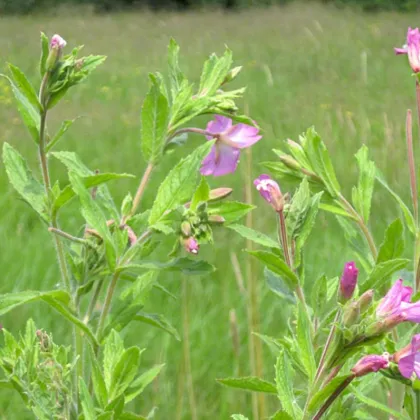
(304, 64)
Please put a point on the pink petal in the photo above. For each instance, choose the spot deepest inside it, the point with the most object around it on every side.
(406, 365)
(243, 135)
(399, 51)
(406, 293)
(411, 311)
(417, 364)
(219, 125)
(221, 160)
(392, 300)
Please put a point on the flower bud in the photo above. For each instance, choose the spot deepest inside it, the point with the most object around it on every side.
(56, 45)
(348, 281)
(370, 363)
(385, 325)
(214, 218)
(191, 245)
(270, 191)
(351, 314)
(290, 162)
(365, 300)
(232, 74)
(186, 229)
(219, 193)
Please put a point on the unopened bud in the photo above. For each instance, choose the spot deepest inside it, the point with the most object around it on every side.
(348, 281)
(290, 162)
(270, 191)
(365, 300)
(370, 363)
(219, 193)
(351, 314)
(56, 46)
(214, 218)
(232, 74)
(191, 245)
(186, 229)
(385, 325)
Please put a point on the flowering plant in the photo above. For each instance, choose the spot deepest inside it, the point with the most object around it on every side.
(349, 328)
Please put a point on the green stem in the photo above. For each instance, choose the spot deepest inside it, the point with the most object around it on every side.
(333, 397)
(362, 225)
(93, 301)
(107, 304)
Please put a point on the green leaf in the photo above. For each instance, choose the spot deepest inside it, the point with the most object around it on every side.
(285, 386)
(128, 415)
(249, 383)
(319, 295)
(29, 114)
(65, 125)
(254, 236)
(378, 406)
(322, 395)
(25, 86)
(298, 209)
(214, 73)
(238, 417)
(98, 381)
(86, 401)
(274, 263)
(409, 219)
(89, 182)
(304, 341)
(393, 244)
(154, 122)
(94, 216)
(45, 49)
(330, 208)
(113, 350)
(179, 184)
(231, 211)
(362, 194)
(184, 265)
(319, 158)
(276, 285)
(124, 372)
(280, 415)
(382, 272)
(138, 386)
(201, 195)
(159, 321)
(23, 181)
(175, 75)
(73, 163)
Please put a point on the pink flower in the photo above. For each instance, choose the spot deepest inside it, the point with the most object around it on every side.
(370, 363)
(270, 191)
(191, 245)
(224, 155)
(412, 49)
(348, 280)
(391, 303)
(57, 42)
(408, 358)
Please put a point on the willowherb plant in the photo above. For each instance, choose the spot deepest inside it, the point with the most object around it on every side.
(110, 265)
(352, 327)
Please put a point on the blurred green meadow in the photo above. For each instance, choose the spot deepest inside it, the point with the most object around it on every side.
(304, 65)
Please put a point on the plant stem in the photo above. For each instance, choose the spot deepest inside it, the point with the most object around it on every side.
(333, 397)
(93, 301)
(187, 350)
(107, 304)
(140, 190)
(188, 130)
(255, 345)
(362, 226)
(411, 164)
(67, 235)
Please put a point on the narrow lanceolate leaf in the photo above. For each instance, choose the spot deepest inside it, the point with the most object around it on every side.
(138, 386)
(274, 263)
(298, 209)
(249, 383)
(285, 386)
(201, 195)
(179, 184)
(257, 237)
(29, 113)
(86, 401)
(23, 181)
(382, 272)
(124, 372)
(362, 194)
(306, 350)
(23, 84)
(113, 349)
(175, 74)
(154, 122)
(63, 129)
(98, 381)
(159, 321)
(409, 219)
(231, 211)
(214, 73)
(393, 244)
(319, 295)
(277, 285)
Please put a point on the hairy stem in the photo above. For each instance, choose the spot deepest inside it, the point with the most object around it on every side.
(333, 397)
(255, 345)
(411, 163)
(140, 190)
(362, 225)
(107, 304)
(188, 130)
(93, 301)
(67, 235)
